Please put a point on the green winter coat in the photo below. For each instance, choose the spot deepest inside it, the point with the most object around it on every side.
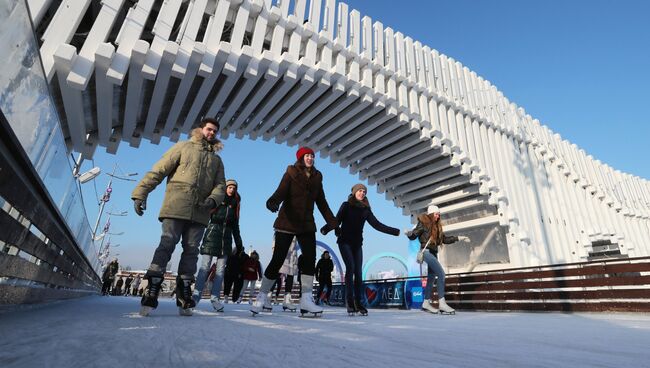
(223, 227)
(194, 172)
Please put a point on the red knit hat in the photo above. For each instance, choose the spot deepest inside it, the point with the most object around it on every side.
(303, 151)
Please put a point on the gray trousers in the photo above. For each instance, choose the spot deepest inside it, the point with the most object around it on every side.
(174, 230)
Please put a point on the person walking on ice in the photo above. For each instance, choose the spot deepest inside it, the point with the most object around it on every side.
(431, 236)
(353, 215)
(300, 188)
(217, 243)
(195, 185)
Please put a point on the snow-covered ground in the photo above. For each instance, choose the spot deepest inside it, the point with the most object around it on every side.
(108, 332)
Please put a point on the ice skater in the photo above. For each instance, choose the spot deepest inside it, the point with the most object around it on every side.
(195, 185)
(300, 188)
(217, 243)
(431, 236)
(353, 215)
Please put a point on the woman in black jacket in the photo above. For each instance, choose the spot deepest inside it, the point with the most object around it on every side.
(217, 243)
(352, 215)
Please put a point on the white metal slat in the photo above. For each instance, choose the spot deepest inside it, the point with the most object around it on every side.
(133, 92)
(162, 29)
(104, 92)
(38, 8)
(128, 37)
(60, 31)
(188, 38)
(190, 71)
(82, 69)
(62, 61)
(151, 130)
(212, 40)
(218, 61)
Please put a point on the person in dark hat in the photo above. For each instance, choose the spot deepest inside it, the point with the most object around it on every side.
(352, 216)
(300, 188)
(217, 243)
(324, 269)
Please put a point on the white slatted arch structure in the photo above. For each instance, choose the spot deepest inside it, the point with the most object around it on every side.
(417, 124)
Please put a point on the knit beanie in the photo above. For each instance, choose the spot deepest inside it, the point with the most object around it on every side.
(357, 187)
(231, 182)
(303, 151)
(433, 209)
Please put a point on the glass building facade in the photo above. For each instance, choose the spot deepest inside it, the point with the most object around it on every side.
(29, 108)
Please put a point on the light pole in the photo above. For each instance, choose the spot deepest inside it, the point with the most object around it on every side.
(105, 231)
(107, 196)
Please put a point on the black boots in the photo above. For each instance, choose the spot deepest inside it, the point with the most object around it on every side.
(184, 292)
(360, 308)
(149, 299)
(352, 309)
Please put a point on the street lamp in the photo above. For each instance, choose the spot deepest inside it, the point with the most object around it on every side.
(107, 196)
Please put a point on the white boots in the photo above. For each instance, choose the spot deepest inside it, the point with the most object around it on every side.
(261, 301)
(216, 304)
(287, 303)
(307, 299)
(444, 308)
(427, 307)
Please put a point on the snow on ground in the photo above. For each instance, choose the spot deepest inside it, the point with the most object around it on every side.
(108, 332)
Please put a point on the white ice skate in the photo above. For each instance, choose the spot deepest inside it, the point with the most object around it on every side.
(145, 310)
(444, 308)
(259, 304)
(187, 312)
(268, 306)
(287, 305)
(307, 306)
(427, 307)
(216, 304)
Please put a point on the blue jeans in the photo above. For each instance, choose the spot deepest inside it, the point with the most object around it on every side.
(204, 270)
(172, 231)
(434, 271)
(353, 259)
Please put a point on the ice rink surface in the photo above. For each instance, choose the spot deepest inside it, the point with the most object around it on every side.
(108, 332)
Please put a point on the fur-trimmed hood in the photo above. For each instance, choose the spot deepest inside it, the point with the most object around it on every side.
(196, 135)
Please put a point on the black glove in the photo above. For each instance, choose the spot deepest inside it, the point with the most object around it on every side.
(272, 205)
(208, 204)
(139, 205)
(324, 230)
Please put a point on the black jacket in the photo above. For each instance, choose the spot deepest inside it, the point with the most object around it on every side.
(324, 269)
(352, 216)
(223, 227)
(422, 232)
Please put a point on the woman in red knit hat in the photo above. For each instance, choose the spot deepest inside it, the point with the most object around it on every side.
(300, 187)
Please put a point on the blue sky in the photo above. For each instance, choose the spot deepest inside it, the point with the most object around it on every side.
(580, 67)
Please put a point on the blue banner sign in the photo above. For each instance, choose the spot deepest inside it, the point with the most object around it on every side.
(377, 294)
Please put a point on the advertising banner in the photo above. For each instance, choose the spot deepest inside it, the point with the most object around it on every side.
(376, 294)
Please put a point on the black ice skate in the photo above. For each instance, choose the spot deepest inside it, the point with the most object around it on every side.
(184, 299)
(149, 299)
(360, 308)
(352, 310)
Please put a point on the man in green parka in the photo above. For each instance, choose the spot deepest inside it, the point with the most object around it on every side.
(195, 185)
